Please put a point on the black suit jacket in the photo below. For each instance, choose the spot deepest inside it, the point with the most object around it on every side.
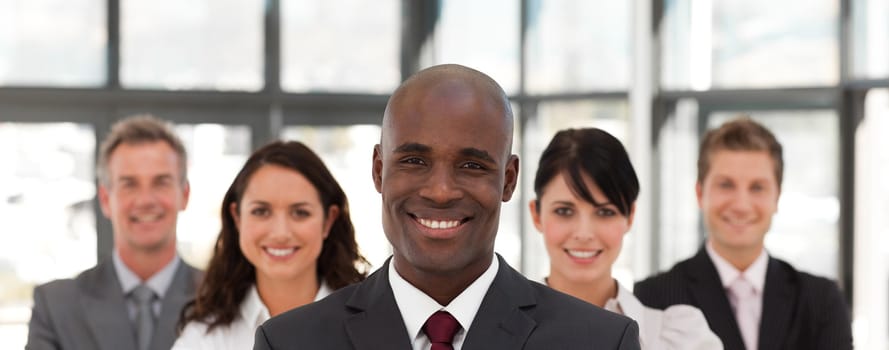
(515, 314)
(799, 310)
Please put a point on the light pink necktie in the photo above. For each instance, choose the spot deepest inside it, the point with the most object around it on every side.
(743, 298)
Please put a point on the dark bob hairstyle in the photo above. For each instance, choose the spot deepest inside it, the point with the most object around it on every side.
(591, 152)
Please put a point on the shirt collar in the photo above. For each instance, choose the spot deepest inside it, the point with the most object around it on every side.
(159, 282)
(252, 308)
(323, 291)
(755, 273)
(255, 311)
(416, 306)
(625, 303)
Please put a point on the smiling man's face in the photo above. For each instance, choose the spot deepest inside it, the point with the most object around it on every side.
(443, 167)
(143, 196)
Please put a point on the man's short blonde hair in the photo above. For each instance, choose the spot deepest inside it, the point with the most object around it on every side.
(740, 134)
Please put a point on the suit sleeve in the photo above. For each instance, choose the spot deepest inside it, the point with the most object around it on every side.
(643, 291)
(41, 334)
(630, 338)
(834, 326)
(261, 342)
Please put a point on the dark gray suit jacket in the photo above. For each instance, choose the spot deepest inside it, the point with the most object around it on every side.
(799, 310)
(89, 312)
(515, 314)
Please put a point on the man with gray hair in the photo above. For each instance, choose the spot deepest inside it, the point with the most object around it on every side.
(133, 300)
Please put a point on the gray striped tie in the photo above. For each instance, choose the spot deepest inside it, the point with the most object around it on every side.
(144, 297)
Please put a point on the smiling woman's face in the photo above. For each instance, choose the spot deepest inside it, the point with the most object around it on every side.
(282, 223)
(583, 240)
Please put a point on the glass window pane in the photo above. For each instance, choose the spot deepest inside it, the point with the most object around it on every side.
(483, 35)
(197, 44)
(551, 117)
(870, 39)
(805, 231)
(52, 42)
(578, 45)
(340, 45)
(49, 224)
(348, 152)
(509, 232)
(215, 155)
(871, 251)
(757, 43)
(677, 222)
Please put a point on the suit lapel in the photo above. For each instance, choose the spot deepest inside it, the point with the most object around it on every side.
(104, 309)
(377, 323)
(706, 289)
(777, 306)
(500, 321)
(181, 291)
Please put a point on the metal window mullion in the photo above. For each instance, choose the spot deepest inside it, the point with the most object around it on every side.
(272, 53)
(112, 69)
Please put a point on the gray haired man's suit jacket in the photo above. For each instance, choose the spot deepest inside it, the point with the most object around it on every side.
(89, 312)
(515, 314)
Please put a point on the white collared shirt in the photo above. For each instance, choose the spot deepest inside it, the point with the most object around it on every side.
(239, 334)
(679, 327)
(158, 283)
(416, 307)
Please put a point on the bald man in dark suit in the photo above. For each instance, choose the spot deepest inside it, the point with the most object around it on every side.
(443, 167)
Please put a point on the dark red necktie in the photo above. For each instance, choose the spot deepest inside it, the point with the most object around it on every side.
(441, 328)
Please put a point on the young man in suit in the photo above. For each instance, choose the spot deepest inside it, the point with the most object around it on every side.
(750, 299)
(443, 166)
(133, 300)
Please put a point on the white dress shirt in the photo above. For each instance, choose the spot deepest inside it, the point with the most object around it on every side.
(415, 306)
(239, 334)
(679, 327)
(158, 283)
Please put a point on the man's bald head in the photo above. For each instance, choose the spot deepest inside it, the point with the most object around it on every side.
(453, 83)
(443, 167)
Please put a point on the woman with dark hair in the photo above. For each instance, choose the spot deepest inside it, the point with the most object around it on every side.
(586, 192)
(286, 241)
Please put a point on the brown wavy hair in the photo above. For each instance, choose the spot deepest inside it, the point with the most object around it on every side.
(230, 275)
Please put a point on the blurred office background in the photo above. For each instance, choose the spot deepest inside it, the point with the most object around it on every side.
(235, 74)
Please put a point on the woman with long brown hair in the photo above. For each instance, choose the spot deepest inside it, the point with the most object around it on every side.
(286, 241)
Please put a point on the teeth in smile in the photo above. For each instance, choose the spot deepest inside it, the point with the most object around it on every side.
(438, 224)
(280, 252)
(583, 254)
(736, 221)
(146, 217)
